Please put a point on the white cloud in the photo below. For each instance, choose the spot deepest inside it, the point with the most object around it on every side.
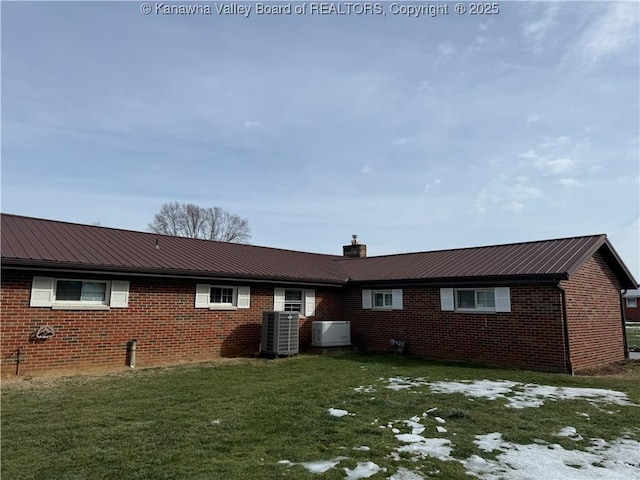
(445, 49)
(569, 182)
(508, 194)
(612, 33)
(536, 30)
(555, 166)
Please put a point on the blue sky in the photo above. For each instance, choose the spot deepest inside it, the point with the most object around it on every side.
(414, 133)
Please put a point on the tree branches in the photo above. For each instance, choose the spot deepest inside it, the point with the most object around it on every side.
(190, 220)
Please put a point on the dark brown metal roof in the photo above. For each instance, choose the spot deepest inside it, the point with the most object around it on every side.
(546, 260)
(46, 243)
(37, 243)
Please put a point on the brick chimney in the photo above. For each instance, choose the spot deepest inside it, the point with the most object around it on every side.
(356, 250)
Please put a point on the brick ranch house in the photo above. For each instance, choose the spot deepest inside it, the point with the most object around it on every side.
(75, 296)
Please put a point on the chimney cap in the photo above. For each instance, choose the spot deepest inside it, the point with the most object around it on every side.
(354, 239)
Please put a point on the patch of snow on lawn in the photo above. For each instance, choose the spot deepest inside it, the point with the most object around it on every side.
(569, 432)
(406, 474)
(362, 470)
(319, 466)
(617, 461)
(425, 447)
(403, 383)
(489, 442)
(478, 389)
(336, 412)
(528, 395)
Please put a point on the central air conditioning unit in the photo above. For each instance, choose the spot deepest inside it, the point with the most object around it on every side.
(331, 334)
(280, 333)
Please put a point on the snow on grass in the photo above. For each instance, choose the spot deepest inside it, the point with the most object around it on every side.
(362, 470)
(607, 461)
(319, 466)
(571, 433)
(337, 412)
(601, 460)
(528, 395)
(406, 474)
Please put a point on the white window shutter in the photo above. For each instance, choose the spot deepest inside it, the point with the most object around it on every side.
(446, 299)
(310, 303)
(203, 295)
(119, 294)
(42, 292)
(278, 299)
(244, 297)
(503, 299)
(366, 299)
(396, 299)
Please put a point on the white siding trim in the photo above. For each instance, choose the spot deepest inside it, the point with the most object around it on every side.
(447, 303)
(502, 299)
(366, 299)
(278, 299)
(309, 303)
(396, 299)
(119, 294)
(244, 297)
(42, 292)
(203, 295)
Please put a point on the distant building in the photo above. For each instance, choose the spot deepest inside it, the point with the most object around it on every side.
(631, 299)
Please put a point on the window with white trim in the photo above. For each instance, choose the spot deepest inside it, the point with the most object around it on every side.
(222, 297)
(81, 291)
(293, 300)
(79, 294)
(481, 300)
(301, 300)
(497, 299)
(382, 299)
(632, 302)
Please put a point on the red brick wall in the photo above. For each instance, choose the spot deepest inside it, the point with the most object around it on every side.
(161, 316)
(530, 337)
(593, 311)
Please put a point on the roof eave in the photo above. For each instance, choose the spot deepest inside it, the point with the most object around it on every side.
(48, 265)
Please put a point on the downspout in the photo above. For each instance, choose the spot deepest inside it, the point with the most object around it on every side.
(565, 325)
(624, 326)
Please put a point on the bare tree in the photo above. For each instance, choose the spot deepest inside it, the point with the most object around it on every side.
(190, 220)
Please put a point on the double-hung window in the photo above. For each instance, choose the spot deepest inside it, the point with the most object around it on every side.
(382, 299)
(293, 300)
(222, 297)
(469, 300)
(301, 300)
(481, 300)
(632, 302)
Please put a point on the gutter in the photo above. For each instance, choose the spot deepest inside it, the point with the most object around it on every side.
(565, 325)
(624, 327)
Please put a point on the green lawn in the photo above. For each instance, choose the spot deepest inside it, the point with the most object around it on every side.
(633, 335)
(238, 420)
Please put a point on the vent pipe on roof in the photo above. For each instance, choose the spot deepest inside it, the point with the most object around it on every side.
(355, 249)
